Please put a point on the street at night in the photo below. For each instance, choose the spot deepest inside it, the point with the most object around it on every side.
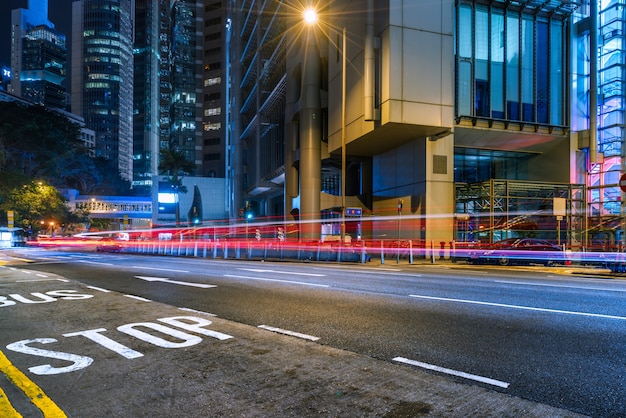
(541, 334)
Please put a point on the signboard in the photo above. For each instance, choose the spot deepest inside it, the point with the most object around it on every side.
(354, 212)
(10, 218)
(559, 206)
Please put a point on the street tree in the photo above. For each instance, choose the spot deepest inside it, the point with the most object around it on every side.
(175, 165)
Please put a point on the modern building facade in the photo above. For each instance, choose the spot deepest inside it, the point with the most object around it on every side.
(38, 57)
(455, 114)
(606, 163)
(102, 76)
(151, 78)
(214, 84)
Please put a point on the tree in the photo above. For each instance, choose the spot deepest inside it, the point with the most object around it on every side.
(35, 203)
(36, 143)
(175, 164)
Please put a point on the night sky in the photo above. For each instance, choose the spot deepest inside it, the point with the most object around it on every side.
(59, 12)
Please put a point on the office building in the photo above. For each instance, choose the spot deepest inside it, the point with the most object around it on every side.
(456, 114)
(102, 76)
(38, 57)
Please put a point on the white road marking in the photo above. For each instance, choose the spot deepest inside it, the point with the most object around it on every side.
(275, 280)
(160, 269)
(359, 268)
(292, 333)
(453, 372)
(138, 298)
(561, 286)
(99, 289)
(166, 280)
(95, 262)
(283, 272)
(528, 308)
(196, 311)
(42, 280)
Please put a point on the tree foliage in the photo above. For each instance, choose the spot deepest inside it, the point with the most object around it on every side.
(43, 145)
(41, 152)
(37, 203)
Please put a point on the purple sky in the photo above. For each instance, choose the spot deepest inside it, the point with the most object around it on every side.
(59, 12)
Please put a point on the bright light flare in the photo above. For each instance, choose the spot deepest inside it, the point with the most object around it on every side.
(310, 16)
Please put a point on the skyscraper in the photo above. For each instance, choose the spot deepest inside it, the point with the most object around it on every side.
(102, 76)
(38, 57)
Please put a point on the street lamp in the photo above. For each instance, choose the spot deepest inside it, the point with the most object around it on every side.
(310, 17)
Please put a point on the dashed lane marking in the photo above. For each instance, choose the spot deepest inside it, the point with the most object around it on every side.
(287, 332)
(464, 375)
(275, 280)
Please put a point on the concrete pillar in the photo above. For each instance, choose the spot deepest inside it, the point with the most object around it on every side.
(310, 137)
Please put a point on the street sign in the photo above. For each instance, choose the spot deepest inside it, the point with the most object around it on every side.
(354, 212)
(622, 182)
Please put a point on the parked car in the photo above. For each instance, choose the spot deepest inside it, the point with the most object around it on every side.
(519, 251)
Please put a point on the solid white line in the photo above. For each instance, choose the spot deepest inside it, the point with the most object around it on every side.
(477, 378)
(528, 308)
(138, 298)
(99, 289)
(292, 333)
(283, 272)
(196, 311)
(562, 286)
(275, 280)
(94, 262)
(160, 269)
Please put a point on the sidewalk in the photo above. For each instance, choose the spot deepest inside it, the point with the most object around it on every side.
(255, 373)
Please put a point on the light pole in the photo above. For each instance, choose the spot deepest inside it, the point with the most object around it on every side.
(343, 137)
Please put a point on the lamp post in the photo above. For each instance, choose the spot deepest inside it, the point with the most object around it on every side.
(343, 137)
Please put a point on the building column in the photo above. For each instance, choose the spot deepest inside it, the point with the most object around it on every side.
(310, 131)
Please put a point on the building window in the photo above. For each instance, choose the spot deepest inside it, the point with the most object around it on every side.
(216, 126)
(215, 156)
(212, 81)
(213, 111)
(510, 65)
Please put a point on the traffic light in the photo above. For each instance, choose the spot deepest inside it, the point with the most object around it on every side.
(250, 209)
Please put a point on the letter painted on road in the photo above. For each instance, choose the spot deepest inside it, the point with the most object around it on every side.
(188, 339)
(78, 362)
(68, 294)
(188, 323)
(47, 297)
(196, 327)
(95, 336)
(44, 298)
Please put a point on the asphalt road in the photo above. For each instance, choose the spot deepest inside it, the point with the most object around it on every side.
(551, 338)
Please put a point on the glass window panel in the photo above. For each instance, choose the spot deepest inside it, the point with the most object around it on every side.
(512, 67)
(497, 65)
(464, 88)
(465, 31)
(481, 73)
(542, 72)
(528, 61)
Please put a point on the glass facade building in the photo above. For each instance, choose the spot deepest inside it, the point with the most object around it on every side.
(511, 63)
(102, 76)
(38, 57)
